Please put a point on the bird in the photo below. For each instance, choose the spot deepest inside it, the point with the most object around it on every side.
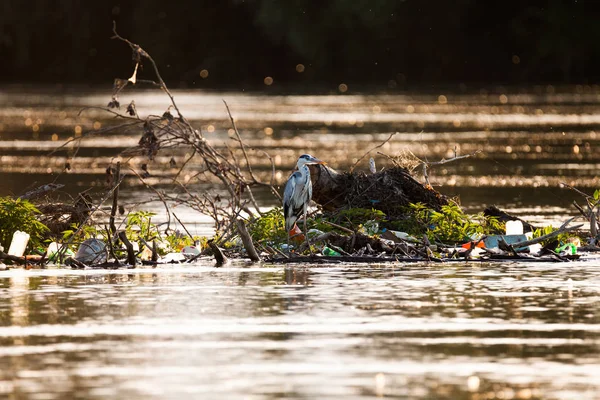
(298, 193)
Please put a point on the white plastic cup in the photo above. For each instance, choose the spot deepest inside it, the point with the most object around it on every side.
(514, 228)
(18, 244)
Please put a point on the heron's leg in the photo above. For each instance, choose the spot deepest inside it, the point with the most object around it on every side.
(306, 235)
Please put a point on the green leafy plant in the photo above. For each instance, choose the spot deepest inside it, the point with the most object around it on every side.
(139, 226)
(270, 226)
(20, 215)
(175, 242)
(451, 224)
(86, 232)
(562, 238)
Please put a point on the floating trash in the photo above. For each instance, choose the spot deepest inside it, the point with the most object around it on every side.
(91, 251)
(18, 244)
(57, 251)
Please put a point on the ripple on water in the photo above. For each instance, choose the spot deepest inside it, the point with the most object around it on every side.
(405, 331)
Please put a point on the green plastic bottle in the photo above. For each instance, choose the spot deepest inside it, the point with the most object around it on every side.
(330, 252)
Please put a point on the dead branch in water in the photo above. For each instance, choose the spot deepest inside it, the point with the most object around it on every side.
(50, 187)
(247, 240)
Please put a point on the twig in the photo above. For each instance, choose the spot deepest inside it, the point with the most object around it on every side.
(239, 138)
(183, 226)
(585, 195)
(368, 152)
(276, 250)
(142, 53)
(427, 164)
(350, 231)
(111, 249)
(160, 197)
(115, 203)
(64, 248)
(75, 263)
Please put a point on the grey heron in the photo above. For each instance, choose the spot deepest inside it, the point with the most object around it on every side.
(297, 194)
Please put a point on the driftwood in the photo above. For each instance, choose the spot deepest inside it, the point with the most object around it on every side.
(220, 258)
(18, 260)
(32, 194)
(129, 247)
(389, 190)
(247, 241)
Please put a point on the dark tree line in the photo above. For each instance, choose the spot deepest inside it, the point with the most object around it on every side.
(240, 42)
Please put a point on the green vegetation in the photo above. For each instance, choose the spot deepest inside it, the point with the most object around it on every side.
(451, 224)
(563, 238)
(138, 228)
(19, 215)
(270, 226)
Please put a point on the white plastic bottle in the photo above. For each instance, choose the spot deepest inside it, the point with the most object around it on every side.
(514, 228)
(18, 244)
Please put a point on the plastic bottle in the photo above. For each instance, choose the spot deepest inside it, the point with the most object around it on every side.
(330, 252)
(514, 227)
(567, 246)
(18, 244)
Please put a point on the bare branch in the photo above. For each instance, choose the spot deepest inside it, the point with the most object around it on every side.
(368, 152)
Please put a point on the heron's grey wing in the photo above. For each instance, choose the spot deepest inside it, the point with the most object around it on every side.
(290, 195)
(288, 192)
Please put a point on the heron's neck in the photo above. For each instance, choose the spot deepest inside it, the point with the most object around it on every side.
(304, 170)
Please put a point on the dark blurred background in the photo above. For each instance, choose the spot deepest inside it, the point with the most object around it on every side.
(389, 44)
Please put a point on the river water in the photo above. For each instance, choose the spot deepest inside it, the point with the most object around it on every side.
(458, 331)
(402, 331)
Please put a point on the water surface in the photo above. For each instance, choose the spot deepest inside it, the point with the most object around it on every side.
(400, 331)
(456, 331)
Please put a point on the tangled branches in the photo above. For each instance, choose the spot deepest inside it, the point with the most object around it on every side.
(172, 130)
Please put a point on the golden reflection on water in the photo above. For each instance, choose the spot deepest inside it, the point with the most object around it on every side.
(401, 331)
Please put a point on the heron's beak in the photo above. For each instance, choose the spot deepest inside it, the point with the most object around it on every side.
(317, 161)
